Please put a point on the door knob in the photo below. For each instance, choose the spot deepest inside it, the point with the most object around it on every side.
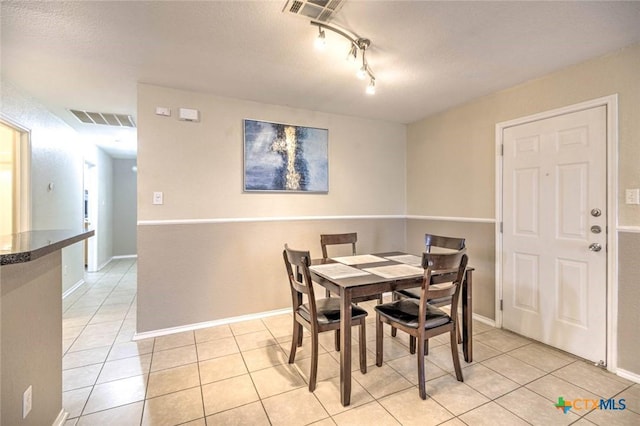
(596, 212)
(595, 247)
(596, 229)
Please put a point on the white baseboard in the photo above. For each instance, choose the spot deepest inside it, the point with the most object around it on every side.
(484, 320)
(108, 261)
(73, 288)
(61, 419)
(260, 315)
(126, 256)
(207, 324)
(634, 377)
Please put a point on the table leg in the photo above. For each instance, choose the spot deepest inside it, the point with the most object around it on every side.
(467, 317)
(345, 347)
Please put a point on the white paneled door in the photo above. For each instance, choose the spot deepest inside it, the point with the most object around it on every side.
(554, 232)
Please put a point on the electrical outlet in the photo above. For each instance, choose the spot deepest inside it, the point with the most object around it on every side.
(158, 198)
(27, 400)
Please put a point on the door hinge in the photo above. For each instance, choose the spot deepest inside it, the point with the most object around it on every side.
(501, 149)
(501, 304)
(501, 227)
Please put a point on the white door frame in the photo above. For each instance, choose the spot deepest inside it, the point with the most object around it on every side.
(611, 104)
(90, 182)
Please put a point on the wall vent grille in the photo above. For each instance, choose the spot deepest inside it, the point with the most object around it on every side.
(316, 10)
(104, 118)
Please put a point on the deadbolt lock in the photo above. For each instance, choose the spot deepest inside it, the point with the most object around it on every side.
(596, 229)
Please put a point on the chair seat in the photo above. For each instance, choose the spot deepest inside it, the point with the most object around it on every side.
(329, 311)
(414, 293)
(405, 312)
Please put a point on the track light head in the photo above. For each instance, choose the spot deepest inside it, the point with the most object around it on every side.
(321, 40)
(353, 53)
(371, 88)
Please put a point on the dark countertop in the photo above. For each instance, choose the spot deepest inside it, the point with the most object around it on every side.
(27, 246)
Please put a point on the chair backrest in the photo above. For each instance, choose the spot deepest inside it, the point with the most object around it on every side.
(451, 243)
(335, 239)
(440, 265)
(299, 279)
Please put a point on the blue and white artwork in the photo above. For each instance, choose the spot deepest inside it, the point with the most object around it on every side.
(283, 157)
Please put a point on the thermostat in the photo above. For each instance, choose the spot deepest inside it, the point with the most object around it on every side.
(187, 114)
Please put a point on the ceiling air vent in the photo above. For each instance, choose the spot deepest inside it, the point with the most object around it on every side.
(316, 10)
(104, 118)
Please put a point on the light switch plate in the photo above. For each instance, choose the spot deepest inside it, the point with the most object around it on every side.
(632, 196)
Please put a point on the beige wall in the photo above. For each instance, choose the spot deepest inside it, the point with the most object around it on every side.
(460, 180)
(195, 273)
(214, 266)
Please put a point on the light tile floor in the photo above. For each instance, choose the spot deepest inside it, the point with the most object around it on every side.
(238, 374)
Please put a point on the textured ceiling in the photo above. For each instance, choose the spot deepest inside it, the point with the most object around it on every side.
(427, 56)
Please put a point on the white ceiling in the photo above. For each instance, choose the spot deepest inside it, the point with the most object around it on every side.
(427, 56)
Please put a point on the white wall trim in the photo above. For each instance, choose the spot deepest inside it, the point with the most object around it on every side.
(73, 288)
(104, 265)
(306, 218)
(484, 320)
(632, 229)
(207, 324)
(634, 377)
(61, 419)
(453, 219)
(126, 256)
(611, 104)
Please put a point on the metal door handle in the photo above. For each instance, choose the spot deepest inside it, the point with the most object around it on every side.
(595, 247)
(596, 212)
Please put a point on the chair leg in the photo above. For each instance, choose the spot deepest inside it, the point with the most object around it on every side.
(394, 331)
(456, 357)
(421, 372)
(300, 334)
(363, 347)
(328, 293)
(379, 345)
(412, 345)
(294, 341)
(426, 347)
(313, 375)
(458, 332)
(337, 343)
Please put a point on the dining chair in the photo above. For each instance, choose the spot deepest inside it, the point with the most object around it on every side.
(430, 241)
(340, 239)
(420, 319)
(317, 315)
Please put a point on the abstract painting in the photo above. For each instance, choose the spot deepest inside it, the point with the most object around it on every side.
(283, 157)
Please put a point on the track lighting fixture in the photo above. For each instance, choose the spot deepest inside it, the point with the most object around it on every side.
(357, 44)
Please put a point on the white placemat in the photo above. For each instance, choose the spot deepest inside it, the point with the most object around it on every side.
(337, 271)
(358, 260)
(396, 271)
(409, 259)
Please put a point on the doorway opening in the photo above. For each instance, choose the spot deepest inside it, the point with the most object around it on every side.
(15, 207)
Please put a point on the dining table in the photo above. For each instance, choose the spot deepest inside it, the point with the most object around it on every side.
(373, 274)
